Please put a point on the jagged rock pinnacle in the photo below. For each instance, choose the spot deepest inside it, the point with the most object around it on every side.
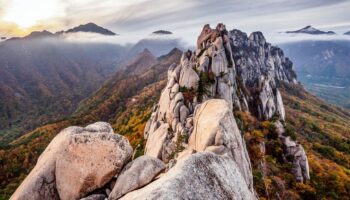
(242, 70)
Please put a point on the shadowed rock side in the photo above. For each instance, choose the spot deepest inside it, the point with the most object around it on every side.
(136, 174)
(194, 149)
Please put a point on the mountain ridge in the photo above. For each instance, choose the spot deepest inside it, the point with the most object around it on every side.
(90, 27)
(87, 28)
(312, 31)
(271, 173)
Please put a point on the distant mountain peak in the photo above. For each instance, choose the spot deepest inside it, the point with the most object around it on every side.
(309, 28)
(90, 28)
(147, 51)
(162, 32)
(39, 34)
(347, 33)
(312, 31)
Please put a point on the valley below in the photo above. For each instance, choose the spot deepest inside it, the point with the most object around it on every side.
(333, 90)
(323, 68)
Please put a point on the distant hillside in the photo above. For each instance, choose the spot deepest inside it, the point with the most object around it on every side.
(44, 78)
(124, 102)
(158, 45)
(323, 67)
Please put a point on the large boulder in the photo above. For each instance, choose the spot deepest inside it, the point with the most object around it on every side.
(300, 163)
(154, 145)
(215, 130)
(300, 167)
(77, 161)
(202, 176)
(188, 77)
(136, 174)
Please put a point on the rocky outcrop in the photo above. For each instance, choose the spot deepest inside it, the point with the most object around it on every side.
(245, 72)
(300, 164)
(260, 66)
(135, 175)
(156, 141)
(201, 176)
(76, 162)
(215, 130)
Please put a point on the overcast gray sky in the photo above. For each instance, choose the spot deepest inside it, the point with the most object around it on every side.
(183, 17)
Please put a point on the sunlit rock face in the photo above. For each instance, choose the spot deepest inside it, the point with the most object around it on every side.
(215, 130)
(77, 161)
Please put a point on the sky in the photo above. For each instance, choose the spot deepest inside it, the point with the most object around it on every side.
(185, 18)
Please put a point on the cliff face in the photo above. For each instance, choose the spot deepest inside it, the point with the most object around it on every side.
(259, 67)
(194, 146)
(245, 72)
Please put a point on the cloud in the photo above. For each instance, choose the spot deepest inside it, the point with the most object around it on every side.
(186, 17)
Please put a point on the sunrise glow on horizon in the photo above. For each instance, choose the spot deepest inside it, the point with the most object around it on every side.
(20, 17)
(25, 15)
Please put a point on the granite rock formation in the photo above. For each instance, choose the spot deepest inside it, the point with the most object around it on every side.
(77, 161)
(245, 72)
(194, 149)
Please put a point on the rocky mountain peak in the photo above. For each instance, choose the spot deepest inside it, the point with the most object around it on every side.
(241, 71)
(39, 34)
(137, 65)
(258, 38)
(194, 148)
(147, 52)
(90, 28)
(162, 32)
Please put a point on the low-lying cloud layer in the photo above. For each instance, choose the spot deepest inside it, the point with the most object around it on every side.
(185, 17)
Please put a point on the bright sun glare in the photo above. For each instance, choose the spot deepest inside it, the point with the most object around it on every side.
(27, 13)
